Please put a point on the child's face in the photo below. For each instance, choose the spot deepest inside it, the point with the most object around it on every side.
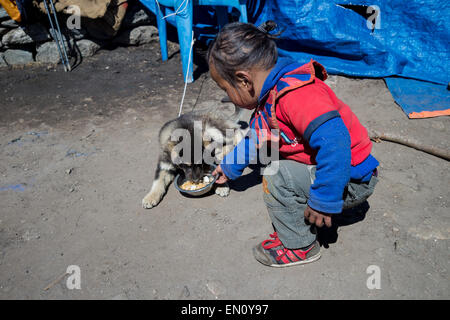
(243, 94)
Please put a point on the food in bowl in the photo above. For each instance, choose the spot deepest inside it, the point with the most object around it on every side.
(192, 186)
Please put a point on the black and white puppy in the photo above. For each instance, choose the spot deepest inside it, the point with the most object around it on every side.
(190, 143)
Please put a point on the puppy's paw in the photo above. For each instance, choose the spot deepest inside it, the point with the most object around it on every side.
(223, 191)
(151, 200)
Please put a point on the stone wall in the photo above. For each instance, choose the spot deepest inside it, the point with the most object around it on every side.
(34, 43)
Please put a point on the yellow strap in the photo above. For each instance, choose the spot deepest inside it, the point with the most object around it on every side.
(12, 9)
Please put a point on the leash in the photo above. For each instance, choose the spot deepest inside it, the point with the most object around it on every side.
(177, 11)
(187, 73)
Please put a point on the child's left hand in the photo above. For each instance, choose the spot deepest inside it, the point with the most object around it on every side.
(318, 218)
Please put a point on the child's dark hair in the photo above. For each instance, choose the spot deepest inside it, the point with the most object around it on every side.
(243, 46)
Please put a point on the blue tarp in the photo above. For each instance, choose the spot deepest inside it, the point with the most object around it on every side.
(375, 39)
(419, 99)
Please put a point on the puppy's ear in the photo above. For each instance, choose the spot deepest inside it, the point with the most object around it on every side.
(175, 142)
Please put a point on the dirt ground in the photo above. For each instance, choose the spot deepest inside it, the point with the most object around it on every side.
(78, 152)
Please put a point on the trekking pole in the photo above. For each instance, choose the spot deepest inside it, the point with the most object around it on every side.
(54, 34)
(60, 35)
(57, 36)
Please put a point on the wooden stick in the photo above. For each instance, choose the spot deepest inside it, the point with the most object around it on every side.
(435, 151)
(56, 281)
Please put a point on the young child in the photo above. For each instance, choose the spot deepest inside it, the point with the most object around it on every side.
(325, 162)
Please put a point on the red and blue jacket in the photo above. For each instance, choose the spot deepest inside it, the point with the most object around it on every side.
(314, 127)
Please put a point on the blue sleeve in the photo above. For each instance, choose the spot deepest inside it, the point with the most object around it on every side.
(234, 163)
(331, 140)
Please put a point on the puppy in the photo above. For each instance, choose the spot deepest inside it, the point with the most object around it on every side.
(191, 143)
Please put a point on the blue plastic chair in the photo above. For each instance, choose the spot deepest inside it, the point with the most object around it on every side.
(184, 24)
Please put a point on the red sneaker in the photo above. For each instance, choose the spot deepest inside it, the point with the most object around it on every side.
(271, 252)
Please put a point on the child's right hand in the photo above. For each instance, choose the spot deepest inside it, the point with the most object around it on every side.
(222, 177)
(317, 218)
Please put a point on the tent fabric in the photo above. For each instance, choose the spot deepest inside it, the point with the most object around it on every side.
(365, 38)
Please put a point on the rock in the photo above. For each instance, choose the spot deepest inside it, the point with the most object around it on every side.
(185, 292)
(76, 34)
(31, 235)
(3, 31)
(48, 53)
(2, 61)
(17, 57)
(137, 36)
(87, 47)
(6, 21)
(9, 23)
(26, 35)
(137, 15)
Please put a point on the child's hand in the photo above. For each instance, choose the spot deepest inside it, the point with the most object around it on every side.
(222, 177)
(318, 218)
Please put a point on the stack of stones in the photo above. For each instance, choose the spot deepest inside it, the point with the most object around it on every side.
(33, 43)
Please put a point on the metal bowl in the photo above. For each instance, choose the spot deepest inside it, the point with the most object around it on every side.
(180, 179)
